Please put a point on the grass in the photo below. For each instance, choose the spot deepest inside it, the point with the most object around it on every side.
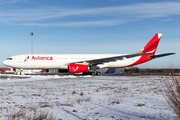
(81, 94)
(73, 92)
(115, 101)
(23, 114)
(172, 93)
(82, 97)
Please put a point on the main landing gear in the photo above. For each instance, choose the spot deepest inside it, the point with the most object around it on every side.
(93, 73)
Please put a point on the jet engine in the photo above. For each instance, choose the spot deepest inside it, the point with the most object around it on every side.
(78, 68)
(62, 70)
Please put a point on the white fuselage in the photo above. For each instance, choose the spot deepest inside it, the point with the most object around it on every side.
(48, 61)
(75, 63)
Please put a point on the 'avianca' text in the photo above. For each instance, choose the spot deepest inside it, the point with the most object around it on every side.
(41, 58)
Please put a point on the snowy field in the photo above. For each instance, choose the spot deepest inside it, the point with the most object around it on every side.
(84, 98)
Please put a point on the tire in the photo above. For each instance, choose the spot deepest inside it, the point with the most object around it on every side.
(93, 73)
(98, 73)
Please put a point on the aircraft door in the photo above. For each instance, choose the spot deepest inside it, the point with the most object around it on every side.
(19, 60)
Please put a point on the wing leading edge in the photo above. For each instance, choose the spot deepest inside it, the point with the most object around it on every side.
(109, 59)
(121, 57)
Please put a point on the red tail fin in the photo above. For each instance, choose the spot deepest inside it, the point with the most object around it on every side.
(152, 45)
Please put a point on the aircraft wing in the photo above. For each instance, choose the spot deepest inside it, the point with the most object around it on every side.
(109, 59)
(161, 55)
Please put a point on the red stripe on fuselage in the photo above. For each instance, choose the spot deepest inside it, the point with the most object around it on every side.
(143, 58)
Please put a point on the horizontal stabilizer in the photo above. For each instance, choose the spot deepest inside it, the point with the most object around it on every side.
(161, 55)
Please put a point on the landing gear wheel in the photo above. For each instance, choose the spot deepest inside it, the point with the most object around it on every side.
(98, 73)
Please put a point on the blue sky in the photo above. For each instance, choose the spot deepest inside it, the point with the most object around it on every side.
(90, 26)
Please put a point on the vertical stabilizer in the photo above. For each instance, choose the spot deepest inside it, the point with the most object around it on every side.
(152, 45)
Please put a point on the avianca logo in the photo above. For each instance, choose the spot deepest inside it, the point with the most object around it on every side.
(38, 58)
(26, 59)
(75, 69)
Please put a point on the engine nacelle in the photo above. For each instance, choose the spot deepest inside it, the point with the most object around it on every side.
(78, 68)
(62, 70)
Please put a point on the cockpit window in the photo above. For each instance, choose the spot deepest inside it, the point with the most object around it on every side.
(9, 59)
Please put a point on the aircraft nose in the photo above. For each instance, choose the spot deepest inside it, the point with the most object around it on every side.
(5, 62)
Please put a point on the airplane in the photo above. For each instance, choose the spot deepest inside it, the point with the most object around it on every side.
(87, 64)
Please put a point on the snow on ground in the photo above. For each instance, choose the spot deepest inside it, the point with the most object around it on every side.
(90, 98)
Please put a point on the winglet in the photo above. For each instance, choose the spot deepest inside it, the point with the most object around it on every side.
(152, 45)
